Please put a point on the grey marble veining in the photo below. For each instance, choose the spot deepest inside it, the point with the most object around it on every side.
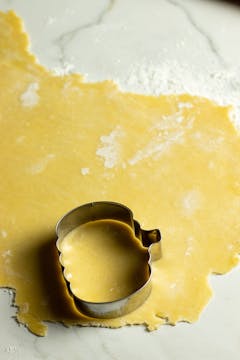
(65, 38)
(212, 46)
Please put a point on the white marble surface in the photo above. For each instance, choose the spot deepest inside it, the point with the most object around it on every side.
(150, 46)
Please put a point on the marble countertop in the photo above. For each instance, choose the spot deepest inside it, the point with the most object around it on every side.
(149, 46)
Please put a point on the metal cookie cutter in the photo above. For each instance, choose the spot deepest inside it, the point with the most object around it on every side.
(149, 238)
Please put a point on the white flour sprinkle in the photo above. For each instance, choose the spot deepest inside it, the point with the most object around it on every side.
(85, 171)
(184, 105)
(110, 148)
(156, 147)
(30, 97)
(189, 251)
(4, 233)
(171, 130)
(66, 69)
(170, 77)
(6, 254)
(192, 201)
(41, 165)
(20, 139)
(190, 247)
(209, 142)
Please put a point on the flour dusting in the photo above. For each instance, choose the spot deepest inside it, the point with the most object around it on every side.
(222, 85)
(110, 149)
(184, 105)
(208, 142)
(3, 233)
(20, 139)
(190, 247)
(41, 165)
(169, 130)
(30, 97)
(191, 202)
(63, 70)
(156, 147)
(6, 254)
(85, 171)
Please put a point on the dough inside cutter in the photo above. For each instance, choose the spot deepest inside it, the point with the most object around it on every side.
(103, 261)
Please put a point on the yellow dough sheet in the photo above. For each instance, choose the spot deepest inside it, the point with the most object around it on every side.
(174, 160)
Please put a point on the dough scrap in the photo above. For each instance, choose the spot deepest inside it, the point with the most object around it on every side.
(175, 166)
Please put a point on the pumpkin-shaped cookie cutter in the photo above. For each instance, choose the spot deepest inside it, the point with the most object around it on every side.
(103, 210)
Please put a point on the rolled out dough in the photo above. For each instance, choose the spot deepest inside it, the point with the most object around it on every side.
(174, 160)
